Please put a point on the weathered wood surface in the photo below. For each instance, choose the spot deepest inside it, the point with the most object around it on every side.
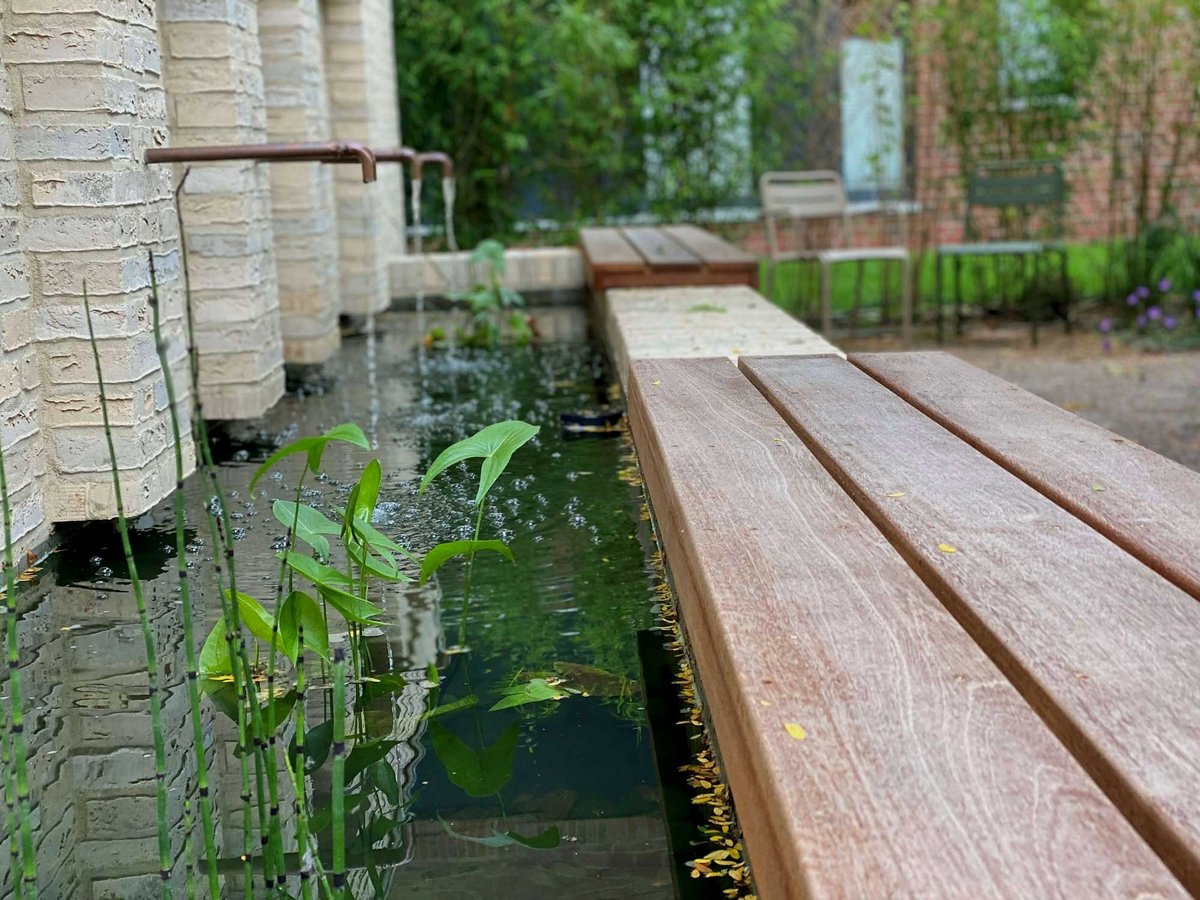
(1100, 645)
(715, 253)
(923, 772)
(661, 257)
(676, 322)
(659, 250)
(1144, 502)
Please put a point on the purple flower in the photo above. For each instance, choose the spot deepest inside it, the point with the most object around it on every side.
(1196, 295)
(1105, 326)
(1164, 285)
(1169, 323)
(1132, 300)
(1143, 292)
(1141, 320)
(1154, 312)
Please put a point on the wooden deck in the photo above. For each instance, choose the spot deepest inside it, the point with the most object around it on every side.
(949, 635)
(663, 256)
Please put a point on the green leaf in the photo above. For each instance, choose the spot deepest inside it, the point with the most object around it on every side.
(446, 708)
(447, 551)
(214, 655)
(535, 691)
(546, 840)
(328, 582)
(299, 608)
(311, 525)
(383, 776)
(368, 490)
(260, 622)
(380, 542)
(317, 742)
(314, 447)
(385, 567)
(364, 754)
(479, 773)
(494, 444)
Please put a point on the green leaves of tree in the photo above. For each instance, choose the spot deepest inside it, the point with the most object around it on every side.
(494, 444)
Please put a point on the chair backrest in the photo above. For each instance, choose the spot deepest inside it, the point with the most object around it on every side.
(1031, 185)
(817, 194)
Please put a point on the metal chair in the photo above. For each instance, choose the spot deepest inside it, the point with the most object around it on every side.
(817, 200)
(1032, 192)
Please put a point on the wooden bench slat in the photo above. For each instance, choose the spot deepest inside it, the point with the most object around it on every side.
(1142, 501)
(660, 251)
(923, 772)
(1102, 646)
(715, 253)
(606, 248)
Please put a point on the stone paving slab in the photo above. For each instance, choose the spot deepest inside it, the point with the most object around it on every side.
(687, 322)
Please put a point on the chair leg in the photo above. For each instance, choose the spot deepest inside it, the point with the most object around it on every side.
(906, 302)
(937, 296)
(826, 300)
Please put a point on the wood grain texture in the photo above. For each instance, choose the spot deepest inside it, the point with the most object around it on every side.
(923, 773)
(1142, 501)
(606, 248)
(660, 251)
(1105, 649)
(715, 252)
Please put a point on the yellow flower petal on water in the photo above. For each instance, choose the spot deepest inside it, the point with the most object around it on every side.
(796, 731)
(947, 548)
(896, 494)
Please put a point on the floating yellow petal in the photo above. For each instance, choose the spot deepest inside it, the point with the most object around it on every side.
(896, 494)
(947, 548)
(795, 730)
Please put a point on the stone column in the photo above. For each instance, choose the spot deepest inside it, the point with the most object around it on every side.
(302, 196)
(20, 380)
(212, 73)
(361, 63)
(87, 101)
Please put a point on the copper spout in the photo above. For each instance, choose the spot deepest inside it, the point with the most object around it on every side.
(330, 153)
(433, 156)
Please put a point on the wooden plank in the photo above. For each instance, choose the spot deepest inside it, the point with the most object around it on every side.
(1102, 646)
(923, 773)
(659, 251)
(715, 252)
(607, 249)
(1142, 501)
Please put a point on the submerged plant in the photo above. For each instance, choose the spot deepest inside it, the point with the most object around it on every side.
(490, 304)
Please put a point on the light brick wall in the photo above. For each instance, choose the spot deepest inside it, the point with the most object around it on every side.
(361, 64)
(213, 76)
(87, 100)
(20, 378)
(302, 195)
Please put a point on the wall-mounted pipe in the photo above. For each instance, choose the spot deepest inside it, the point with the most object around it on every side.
(333, 152)
(402, 155)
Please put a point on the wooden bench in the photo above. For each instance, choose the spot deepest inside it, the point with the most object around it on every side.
(998, 697)
(662, 257)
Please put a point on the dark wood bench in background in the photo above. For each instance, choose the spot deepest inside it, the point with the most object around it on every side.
(663, 256)
(998, 690)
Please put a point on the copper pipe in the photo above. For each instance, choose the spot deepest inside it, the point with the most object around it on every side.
(434, 156)
(333, 152)
(396, 154)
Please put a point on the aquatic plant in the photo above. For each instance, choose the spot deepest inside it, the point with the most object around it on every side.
(160, 752)
(490, 304)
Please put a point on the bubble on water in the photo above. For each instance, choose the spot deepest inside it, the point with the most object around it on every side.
(241, 455)
(239, 534)
(237, 516)
(576, 521)
(572, 475)
(104, 572)
(280, 544)
(96, 560)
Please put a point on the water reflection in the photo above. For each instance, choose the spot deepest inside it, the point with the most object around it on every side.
(441, 803)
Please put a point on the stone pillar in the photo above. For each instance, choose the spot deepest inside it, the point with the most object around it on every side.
(20, 380)
(302, 195)
(361, 64)
(212, 73)
(87, 101)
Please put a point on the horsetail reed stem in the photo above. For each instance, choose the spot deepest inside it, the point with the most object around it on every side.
(193, 675)
(299, 778)
(223, 528)
(338, 800)
(27, 885)
(15, 861)
(160, 752)
(188, 853)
